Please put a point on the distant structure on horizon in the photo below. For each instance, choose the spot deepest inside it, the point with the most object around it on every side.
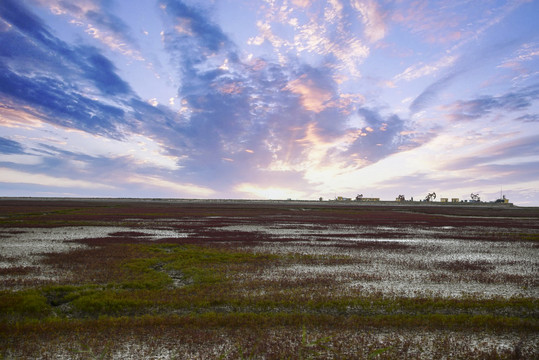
(430, 197)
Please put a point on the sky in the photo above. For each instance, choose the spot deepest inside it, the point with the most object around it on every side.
(270, 99)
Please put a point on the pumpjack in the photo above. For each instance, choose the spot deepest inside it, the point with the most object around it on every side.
(431, 196)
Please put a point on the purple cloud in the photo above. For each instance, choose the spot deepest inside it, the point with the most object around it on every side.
(518, 148)
(59, 102)
(528, 118)
(8, 146)
(519, 100)
(382, 135)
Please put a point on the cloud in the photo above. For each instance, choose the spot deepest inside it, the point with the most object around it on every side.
(323, 32)
(255, 117)
(452, 24)
(101, 71)
(486, 180)
(372, 18)
(194, 24)
(301, 3)
(99, 21)
(523, 148)
(226, 112)
(524, 55)
(454, 166)
(463, 57)
(420, 70)
(30, 39)
(15, 14)
(58, 89)
(528, 118)
(313, 97)
(13, 176)
(431, 25)
(8, 146)
(58, 103)
(465, 64)
(519, 100)
(430, 94)
(380, 137)
(180, 189)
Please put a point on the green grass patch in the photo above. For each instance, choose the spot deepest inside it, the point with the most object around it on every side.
(144, 284)
(200, 265)
(533, 237)
(109, 303)
(241, 320)
(146, 274)
(23, 304)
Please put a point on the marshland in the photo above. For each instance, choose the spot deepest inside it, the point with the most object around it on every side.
(110, 278)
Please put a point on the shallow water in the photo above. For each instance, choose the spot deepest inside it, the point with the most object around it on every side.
(418, 267)
(416, 271)
(24, 247)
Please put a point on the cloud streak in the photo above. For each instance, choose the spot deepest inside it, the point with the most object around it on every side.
(8, 146)
(479, 108)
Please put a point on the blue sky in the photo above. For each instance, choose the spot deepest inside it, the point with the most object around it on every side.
(269, 99)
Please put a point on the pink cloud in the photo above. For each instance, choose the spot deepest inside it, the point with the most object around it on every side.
(312, 98)
(373, 19)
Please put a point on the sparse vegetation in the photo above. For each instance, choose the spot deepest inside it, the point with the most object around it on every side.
(268, 282)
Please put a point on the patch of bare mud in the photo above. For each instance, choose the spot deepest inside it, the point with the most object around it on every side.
(24, 247)
(428, 263)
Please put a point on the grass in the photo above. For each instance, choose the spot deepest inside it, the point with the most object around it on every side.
(278, 336)
(27, 304)
(533, 237)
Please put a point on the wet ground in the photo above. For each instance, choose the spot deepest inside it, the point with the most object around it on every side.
(346, 250)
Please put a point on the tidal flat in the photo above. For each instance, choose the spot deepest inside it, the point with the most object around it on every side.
(172, 279)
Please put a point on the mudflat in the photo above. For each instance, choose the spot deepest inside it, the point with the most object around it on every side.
(217, 279)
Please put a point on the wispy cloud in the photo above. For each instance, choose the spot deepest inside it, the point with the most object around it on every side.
(95, 16)
(524, 148)
(323, 31)
(431, 25)
(13, 176)
(57, 88)
(464, 65)
(59, 104)
(315, 91)
(8, 146)
(420, 70)
(372, 18)
(519, 100)
(178, 188)
(528, 118)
